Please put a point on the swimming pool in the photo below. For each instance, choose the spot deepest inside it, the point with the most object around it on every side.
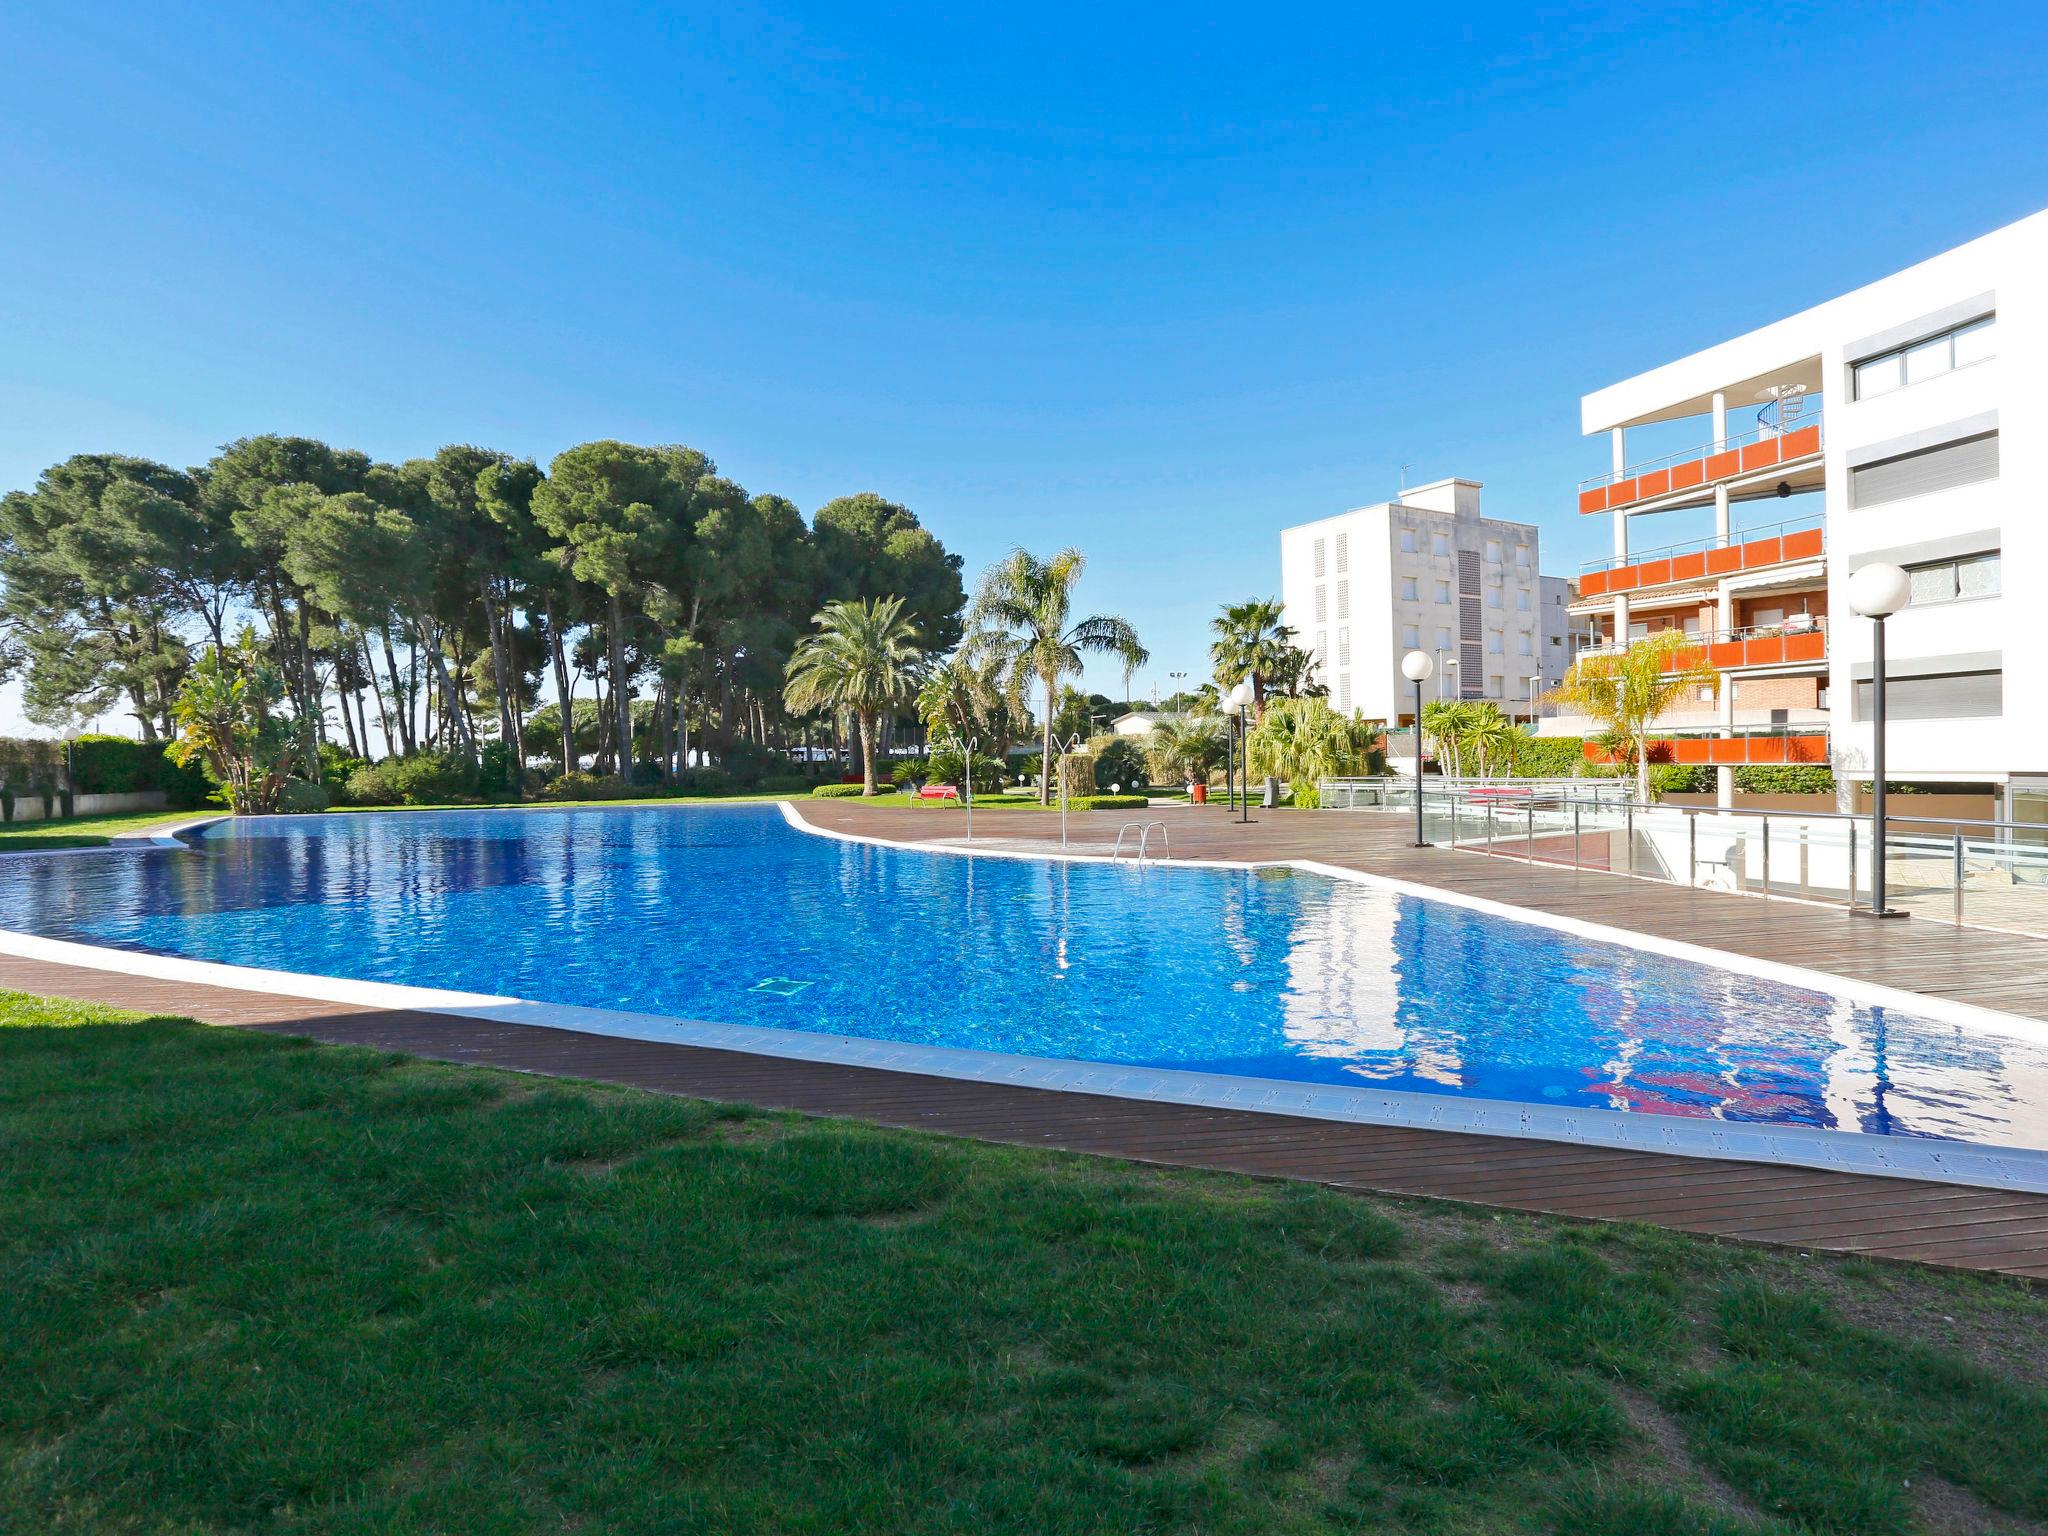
(728, 914)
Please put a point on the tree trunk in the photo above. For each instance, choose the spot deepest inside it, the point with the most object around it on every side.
(565, 691)
(401, 744)
(377, 693)
(867, 752)
(314, 705)
(500, 673)
(1045, 763)
(622, 696)
(452, 712)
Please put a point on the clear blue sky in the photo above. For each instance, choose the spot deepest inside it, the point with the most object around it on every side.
(1153, 281)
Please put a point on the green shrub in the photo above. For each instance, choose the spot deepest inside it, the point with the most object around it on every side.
(336, 766)
(835, 791)
(299, 798)
(496, 772)
(1119, 760)
(1552, 757)
(746, 763)
(1079, 771)
(370, 786)
(944, 767)
(186, 786)
(590, 786)
(1108, 803)
(1027, 767)
(113, 765)
(425, 778)
(1789, 779)
(1680, 779)
(786, 784)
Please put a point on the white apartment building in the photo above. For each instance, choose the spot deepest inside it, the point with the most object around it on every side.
(1426, 572)
(1906, 422)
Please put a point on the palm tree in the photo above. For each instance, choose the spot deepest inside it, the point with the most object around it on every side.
(1185, 747)
(1021, 615)
(866, 658)
(1624, 692)
(1305, 741)
(963, 694)
(1251, 642)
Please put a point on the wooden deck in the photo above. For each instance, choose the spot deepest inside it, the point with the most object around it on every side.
(1942, 1224)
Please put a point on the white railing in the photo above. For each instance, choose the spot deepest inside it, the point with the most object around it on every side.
(1971, 873)
(1737, 537)
(1759, 434)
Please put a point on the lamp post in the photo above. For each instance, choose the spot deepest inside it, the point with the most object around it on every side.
(1877, 592)
(1416, 667)
(1534, 679)
(1235, 704)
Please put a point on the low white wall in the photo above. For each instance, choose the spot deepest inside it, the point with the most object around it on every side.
(29, 807)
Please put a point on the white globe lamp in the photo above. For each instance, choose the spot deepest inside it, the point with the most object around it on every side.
(1877, 592)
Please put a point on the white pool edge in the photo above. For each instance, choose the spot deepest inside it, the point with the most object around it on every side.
(1953, 1162)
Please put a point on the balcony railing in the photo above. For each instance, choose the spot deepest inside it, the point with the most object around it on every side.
(1742, 748)
(1709, 464)
(1801, 638)
(1746, 549)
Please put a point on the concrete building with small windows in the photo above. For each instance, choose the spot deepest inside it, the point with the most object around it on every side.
(1904, 422)
(1426, 572)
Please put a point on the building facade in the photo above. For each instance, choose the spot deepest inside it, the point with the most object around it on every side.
(1904, 422)
(1427, 572)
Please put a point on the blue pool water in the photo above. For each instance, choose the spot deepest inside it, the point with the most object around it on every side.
(728, 914)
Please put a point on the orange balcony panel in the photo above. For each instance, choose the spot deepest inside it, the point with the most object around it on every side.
(1626, 579)
(1593, 583)
(1621, 491)
(1806, 749)
(1760, 455)
(1594, 500)
(1653, 573)
(1810, 646)
(1721, 561)
(1725, 654)
(1687, 749)
(1685, 656)
(1688, 567)
(1735, 749)
(1721, 465)
(1655, 483)
(1762, 552)
(1685, 476)
(1797, 445)
(1803, 545)
(1763, 650)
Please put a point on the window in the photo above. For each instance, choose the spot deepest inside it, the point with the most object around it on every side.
(1950, 581)
(1493, 550)
(1765, 618)
(1322, 604)
(1319, 559)
(1323, 643)
(1443, 591)
(1408, 592)
(1497, 687)
(1411, 637)
(1343, 600)
(1407, 541)
(1343, 553)
(1344, 694)
(1942, 467)
(1522, 600)
(1443, 639)
(1493, 644)
(1522, 646)
(1937, 696)
(1521, 554)
(1692, 626)
(1493, 597)
(1923, 360)
(1439, 544)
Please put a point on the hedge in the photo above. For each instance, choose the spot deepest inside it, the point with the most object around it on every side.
(1106, 802)
(836, 791)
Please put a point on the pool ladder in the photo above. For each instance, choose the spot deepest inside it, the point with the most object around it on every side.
(1144, 834)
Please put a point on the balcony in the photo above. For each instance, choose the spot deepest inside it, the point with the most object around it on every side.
(1743, 749)
(1704, 467)
(1800, 640)
(1706, 559)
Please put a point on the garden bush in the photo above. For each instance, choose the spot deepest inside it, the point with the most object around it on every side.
(496, 773)
(1551, 757)
(113, 765)
(425, 778)
(1107, 803)
(746, 763)
(590, 786)
(1788, 779)
(835, 791)
(1079, 769)
(299, 797)
(944, 767)
(1680, 779)
(1119, 760)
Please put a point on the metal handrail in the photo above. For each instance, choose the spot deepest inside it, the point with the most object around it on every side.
(1735, 539)
(1144, 832)
(1757, 434)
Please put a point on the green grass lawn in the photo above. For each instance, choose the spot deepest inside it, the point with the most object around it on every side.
(255, 1285)
(82, 831)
